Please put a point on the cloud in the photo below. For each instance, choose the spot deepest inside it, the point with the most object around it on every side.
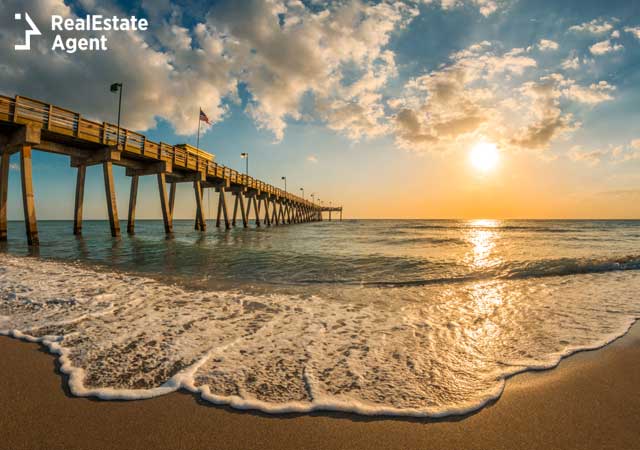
(14, 166)
(593, 94)
(167, 82)
(633, 30)
(546, 44)
(456, 101)
(571, 63)
(312, 159)
(485, 7)
(614, 153)
(590, 157)
(281, 51)
(596, 26)
(605, 47)
(288, 50)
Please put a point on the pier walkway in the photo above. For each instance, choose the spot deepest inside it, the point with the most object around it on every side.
(27, 124)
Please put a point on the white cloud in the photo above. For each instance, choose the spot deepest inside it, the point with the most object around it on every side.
(546, 44)
(571, 63)
(287, 50)
(596, 26)
(605, 47)
(590, 157)
(312, 159)
(485, 7)
(633, 30)
(593, 94)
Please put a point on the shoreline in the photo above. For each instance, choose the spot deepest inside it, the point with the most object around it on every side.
(590, 400)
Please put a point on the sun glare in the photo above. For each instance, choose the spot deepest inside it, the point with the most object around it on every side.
(484, 156)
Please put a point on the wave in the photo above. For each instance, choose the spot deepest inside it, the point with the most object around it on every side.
(524, 270)
(120, 336)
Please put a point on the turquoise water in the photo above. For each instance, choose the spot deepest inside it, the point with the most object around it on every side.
(405, 317)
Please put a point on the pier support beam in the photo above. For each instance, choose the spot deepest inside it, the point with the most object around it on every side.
(164, 204)
(172, 198)
(133, 197)
(77, 213)
(112, 208)
(245, 217)
(248, 211)
(222, 208)
(201, 224)
(256, 209)
(267, 219)
(28, 199)
(4, 185)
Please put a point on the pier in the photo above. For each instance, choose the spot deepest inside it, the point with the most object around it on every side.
(27, 124)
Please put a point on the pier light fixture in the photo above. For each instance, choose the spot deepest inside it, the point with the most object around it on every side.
(302, 189)
(245, 156)
(285, 184)
(117, 87)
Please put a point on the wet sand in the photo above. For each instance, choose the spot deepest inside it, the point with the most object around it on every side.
(590, 401)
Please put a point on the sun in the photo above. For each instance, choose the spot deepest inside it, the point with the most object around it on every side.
(484, 156)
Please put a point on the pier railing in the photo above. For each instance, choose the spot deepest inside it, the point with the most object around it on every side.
(61, 121)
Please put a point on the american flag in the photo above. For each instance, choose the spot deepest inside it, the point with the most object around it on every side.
(204, 118)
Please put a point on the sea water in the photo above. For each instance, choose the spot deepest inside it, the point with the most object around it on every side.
(418, 318)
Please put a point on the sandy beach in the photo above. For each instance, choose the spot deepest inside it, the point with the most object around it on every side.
(590, 401)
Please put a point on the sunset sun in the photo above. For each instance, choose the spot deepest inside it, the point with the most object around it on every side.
(484, 156)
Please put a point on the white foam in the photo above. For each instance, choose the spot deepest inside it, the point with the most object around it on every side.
(424, 351)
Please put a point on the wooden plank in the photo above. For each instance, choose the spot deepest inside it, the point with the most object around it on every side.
(77, 213)
(4, 188)
(110, 191)
(133, 199)
(28, 199)
(164, 204)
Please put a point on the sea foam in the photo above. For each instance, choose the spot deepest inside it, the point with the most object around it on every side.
(417, 351)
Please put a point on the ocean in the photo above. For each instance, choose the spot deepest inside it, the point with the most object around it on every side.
(377, 317)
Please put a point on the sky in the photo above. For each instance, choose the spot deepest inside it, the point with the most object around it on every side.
(375, 106)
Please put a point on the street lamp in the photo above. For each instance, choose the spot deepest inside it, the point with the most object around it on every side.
(285, 184)
(302, 189)
(117, 87)
(245, 156)
(312, 195)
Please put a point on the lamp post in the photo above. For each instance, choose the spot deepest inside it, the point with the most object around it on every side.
(312, 195)
(302, 189)
(117, 87)
(245, 156)
(285, 184)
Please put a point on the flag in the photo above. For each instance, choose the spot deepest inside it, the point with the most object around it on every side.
(204, 118)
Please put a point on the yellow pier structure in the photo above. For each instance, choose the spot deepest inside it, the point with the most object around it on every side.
(27, 124)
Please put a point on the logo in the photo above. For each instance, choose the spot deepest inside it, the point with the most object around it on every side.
(33, 31)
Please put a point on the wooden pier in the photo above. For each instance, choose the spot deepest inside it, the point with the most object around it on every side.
(27, 124)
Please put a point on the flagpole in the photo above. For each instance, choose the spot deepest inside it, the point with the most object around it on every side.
(198, 139)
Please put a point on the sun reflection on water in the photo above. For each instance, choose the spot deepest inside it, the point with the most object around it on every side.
(482, 235)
